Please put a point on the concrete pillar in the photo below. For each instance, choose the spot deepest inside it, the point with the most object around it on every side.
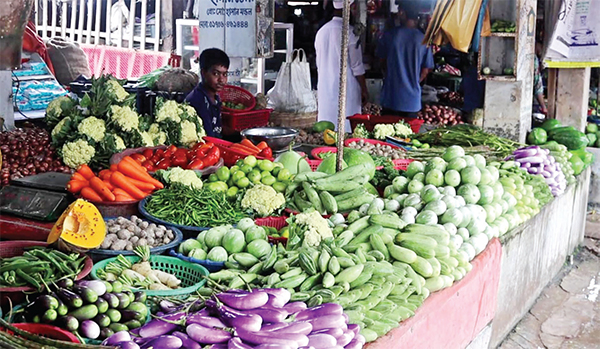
(570, 98)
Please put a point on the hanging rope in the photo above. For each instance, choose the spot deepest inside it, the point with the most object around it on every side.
(343, 78)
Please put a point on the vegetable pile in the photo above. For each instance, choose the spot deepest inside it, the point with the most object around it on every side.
(451, 98)
(233, 152)
(247, 319)
(93, 309)
(200, 156)
(440, 115)
(399, 129)
(378, 149)
(538, 161)
(125, 181)
(139, 274)
(27, 151)
(245, 244)
(127, 234)
(39, 267)
(593, 134)
(182, 205)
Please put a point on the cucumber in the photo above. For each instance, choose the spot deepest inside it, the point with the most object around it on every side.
(323, 261)
(422, 245)
(333, 266)
(313, 197)
(301, 204)
(347, 174)
(329, 203)
(245, 259)
(349, 274)
(87, 312)
(377, 243)
(365, 235)
(422, 267)
(116, 327)
(357, 226)
(350, 194)
(402, 254)
(436, 266)
(387, 221)
(435, 283)
(355, 202)
(309, 176)
(328, 280)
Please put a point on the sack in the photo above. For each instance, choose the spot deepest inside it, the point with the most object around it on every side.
(68, 59)
(292, 91)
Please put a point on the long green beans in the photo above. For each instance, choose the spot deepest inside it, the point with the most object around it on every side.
(190, 207)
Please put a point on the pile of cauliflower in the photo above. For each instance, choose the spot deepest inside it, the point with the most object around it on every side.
(399, 129)
(105, 121)
(263, 200)
(309, 228)
(189, 178)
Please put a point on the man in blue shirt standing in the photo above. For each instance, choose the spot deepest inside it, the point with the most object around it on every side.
(214, 65)
(406, 62)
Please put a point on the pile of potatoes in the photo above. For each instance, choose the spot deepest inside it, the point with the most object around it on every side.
(127, 234)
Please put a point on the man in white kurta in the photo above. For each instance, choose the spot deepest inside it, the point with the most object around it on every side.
(328, 46)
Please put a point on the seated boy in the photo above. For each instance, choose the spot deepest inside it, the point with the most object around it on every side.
(214, 65)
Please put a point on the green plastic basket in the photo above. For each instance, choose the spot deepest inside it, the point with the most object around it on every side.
(190, 274)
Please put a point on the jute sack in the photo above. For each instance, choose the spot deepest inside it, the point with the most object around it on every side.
(68, 59)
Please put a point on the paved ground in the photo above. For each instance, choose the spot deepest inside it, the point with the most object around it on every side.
(567, 314)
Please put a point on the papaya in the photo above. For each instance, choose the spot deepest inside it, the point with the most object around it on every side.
(81, 226)
(550, 124)
(323, 125)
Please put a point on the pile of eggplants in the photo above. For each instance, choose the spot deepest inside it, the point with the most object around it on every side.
(237, 319)
(539, 161)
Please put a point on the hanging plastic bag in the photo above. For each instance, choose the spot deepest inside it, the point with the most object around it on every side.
(292, 91)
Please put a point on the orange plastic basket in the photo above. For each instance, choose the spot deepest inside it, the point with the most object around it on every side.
(237, 95)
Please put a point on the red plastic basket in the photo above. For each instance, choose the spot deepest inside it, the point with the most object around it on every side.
(16, 248)
(275, 222)
(230, 156)
(372, 141)
(316, 151)
(239, 121)
(402, 164)
(237, 95)
(47, 331)
(370, 121)
(314, 164)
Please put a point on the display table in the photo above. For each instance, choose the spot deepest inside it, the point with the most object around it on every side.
(451, 318)
(16, 228)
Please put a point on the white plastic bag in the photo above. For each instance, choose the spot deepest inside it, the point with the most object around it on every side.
(292, 91)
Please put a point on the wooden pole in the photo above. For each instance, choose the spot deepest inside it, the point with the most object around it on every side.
(343, 78)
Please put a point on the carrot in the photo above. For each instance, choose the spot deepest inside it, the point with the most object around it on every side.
(243, 149)
(90, 194)
(108, 184)
(246, 142)
(78, 177)
(101, 188)
(119, 180)
(123, 198)
(102, 174)
(131, 169)
(143, 186)
(74, 186)
(262, 145)
(121, 192)
(113, 167)
(86, 172)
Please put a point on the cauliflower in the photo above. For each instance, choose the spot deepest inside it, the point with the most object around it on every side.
(147, 139)
(169, 111)
(191, 111)
(77, 153)
(93, 128)
(116, 90)
(126, 118)
(61, 130)
(402, 130)
(201, 131)
(263, 199)
(188, 133)
(360, 131)
(57, 108)
(382, 130)
(159, 136)
(120, 144)
(185, 177)
(315, 227)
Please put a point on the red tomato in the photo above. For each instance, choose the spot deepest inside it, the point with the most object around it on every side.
(138, 157)
(148, 153)
(196, 164)
(163, 164)
(170, 151)
(148, 165)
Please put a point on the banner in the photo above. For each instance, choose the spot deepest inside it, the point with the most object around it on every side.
(575, 42)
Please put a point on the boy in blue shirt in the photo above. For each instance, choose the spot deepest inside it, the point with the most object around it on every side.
(214, 65)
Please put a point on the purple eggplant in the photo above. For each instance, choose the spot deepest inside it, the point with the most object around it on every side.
(96, 285)
(281, 295)
(113, 300)
(295, 307)
(121, 336)
(164, 342)
(293, 340)
(269, 315)
(167, 306)
(321, 310)
(295, 327)
(244, 301)
(128, 345)
(207, 335)
(274, 326)
(207, 321)
(236, 343)
(188, 343)
(321, 341)
(335, 332)
(346, 338)
(354, 328)
(275, 346)
(89, 329)
(250, 322)
(328, 321)
(157, 327)
(346, 317)
(218, 346)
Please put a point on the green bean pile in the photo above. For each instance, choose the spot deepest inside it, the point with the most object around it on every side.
(198, 208)
(39, 267)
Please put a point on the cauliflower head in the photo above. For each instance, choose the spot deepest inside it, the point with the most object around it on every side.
(61, 130)
(263, 199)
(185, 177)
(77, 153)
(116, 90)
(201, 131)
(124, 117)
(402, 130)
(57, 108)
(147, 140)
(380, 131)
(190, 111)
(169, 111)
(360, 131)
(92, 127)
(120, 144)
(188, 133)
(158, 135)
(316, 227)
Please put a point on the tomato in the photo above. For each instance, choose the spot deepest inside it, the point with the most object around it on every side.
(148, 153)
(204, 149)
(170, 151)
(212, 157)
(196, 164)
(148, 165)
(163, 164)
(180, 158)
(266, 152)
(158, 155)
(139, 158)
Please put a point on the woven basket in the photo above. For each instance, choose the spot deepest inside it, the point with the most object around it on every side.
(293, 120)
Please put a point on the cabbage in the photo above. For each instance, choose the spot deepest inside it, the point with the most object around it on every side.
(450, 201)
(457, 164)
(490, 211)
(414, 168)
(419, 177)
(486, 177)
(259, 248)
(470, 193)
(198, 253)
(217, 254)
(453, 152)
(408, 219)
(256, 233)
(435, 177)
(494, 172)
(188, 245)
(463, 233)
(470, 175)
(430, 193)
(415, 186)
(451, 228)
(469, 160)
(245, 224)
(479, 161)
(201, 236)
(487, 194)
(234, 241)
(413, 200)
(437, 206)
(452, 178)
(450, 191)
(214, 236)
(409, 211)
(453, 216)
(467, 215)
(435, 163)
(400, 183)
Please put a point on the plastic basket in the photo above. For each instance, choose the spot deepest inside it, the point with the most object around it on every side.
(239, 121)
(314, 164)
(191, 275)
(47, 331)
(150, 217)
(370, 121)
(402, 164)
(100, 254)
(277, 223)
(16, 248)
(237, 95)
(211, 266)
(316, 151)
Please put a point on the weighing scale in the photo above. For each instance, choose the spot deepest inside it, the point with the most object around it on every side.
(29, 206)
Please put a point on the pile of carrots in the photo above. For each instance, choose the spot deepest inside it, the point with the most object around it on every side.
(125, 181)
(248, 148)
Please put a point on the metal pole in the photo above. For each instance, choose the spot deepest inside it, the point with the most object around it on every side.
(343, 78)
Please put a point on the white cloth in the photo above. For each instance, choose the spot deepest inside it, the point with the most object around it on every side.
(328, 46)
(339, 4)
